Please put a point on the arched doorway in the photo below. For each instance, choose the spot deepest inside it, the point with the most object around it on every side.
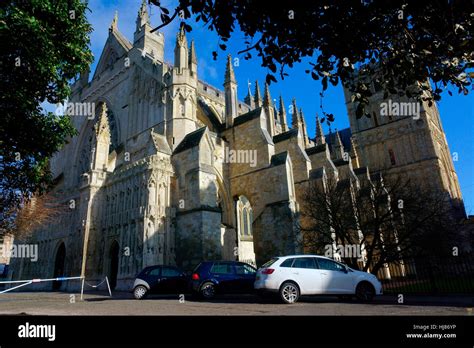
(114, 263)
(59, 265)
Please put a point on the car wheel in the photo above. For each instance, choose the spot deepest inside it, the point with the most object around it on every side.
(289, 292)
(208, 290)
(140, 292)
(365, 291)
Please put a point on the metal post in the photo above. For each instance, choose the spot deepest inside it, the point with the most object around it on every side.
(82, 289)
(108, 285)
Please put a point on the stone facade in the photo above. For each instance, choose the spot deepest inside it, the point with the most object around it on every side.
(171, 170)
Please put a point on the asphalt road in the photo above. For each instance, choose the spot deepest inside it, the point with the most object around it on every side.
(57, 303)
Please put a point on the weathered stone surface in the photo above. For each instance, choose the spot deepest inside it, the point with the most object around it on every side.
(153, 181)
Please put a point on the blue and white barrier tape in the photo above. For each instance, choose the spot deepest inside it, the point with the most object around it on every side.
(30, 281)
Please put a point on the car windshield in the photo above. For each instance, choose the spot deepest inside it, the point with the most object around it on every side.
(269, 263)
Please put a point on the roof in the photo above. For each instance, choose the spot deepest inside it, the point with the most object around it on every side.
(340, 162)
(361, 170)
(211, 115)
(375, 176)
(316, 173)
(279, 159)
(248, 116)
(345, 135)
(345, 183)
(191, 140)
(303, 255)
(284, 136)
(316, 149)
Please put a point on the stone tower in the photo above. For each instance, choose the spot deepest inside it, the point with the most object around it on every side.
(149, 43)
(405, 137)
(182, 99)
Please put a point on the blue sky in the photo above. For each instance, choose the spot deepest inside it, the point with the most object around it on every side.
(457, 112)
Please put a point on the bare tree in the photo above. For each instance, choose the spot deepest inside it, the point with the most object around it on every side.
(35, 212)
(390, 219)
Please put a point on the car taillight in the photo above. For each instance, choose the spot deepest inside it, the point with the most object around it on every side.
(195, 276)
(268, 271)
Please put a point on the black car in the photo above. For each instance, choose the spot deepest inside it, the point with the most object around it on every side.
(160, 280)
(222, 277)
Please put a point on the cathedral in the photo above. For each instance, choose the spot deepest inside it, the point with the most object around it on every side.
(167, 169)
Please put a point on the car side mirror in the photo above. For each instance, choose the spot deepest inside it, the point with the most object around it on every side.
(345, 270)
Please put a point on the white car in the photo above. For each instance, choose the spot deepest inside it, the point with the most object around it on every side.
(293, 276)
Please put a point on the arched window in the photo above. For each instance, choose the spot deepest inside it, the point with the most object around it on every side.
(246, 221)
(245, 216)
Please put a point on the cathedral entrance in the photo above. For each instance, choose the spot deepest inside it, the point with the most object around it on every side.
(59, 265)
(114, 263)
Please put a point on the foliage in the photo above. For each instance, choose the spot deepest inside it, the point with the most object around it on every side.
(399, 43)
(36, 212)
(44, 45)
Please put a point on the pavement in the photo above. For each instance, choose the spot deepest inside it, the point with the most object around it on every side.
(122, 303)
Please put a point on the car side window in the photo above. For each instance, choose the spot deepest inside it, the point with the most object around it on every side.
(242, 268)
(304, 262)
(222, 268)
(155, 272)
(330, 265)
(170, 272)
(287, 263)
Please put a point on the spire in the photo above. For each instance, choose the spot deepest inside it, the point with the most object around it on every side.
(339, 148)
(181, 38)
(353, 148)
(113, 25)
(338, 139)
(294, 116)
(353, 154)
(181, 50)
(282, 114)
(320, 139)
(248, 99)
(258, 95)
(267, 98)
(102, 124)
(303, 127)
(102, 140)
(192, 60)
(230, 87)
(192, 54)
(143, 17)
(229, 71)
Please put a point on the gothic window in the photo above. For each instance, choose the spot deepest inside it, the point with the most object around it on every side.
(245, 216)
(85, 155)
(246, 221)
(392, 157)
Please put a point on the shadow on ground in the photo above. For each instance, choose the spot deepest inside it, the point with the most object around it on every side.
(409, 300)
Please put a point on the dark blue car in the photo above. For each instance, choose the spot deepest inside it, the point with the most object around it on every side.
(160, 279)
(222, 277)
